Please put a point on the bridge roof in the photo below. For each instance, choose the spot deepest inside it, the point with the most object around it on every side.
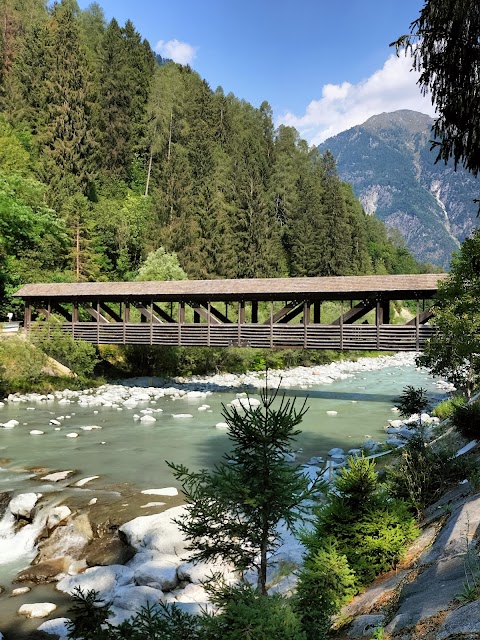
(393, 287)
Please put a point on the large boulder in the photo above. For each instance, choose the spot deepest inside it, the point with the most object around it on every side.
(22, 505)
(160, 573)
(37, 609)
(157, 533)
(44, 571)
(105, 580)
(133, 598)
(68, 539)
(108, 550)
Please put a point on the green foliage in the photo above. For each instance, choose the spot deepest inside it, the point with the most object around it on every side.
(233, 511)
(423, 473)
(81, 357)
(88, 616)
(20, 361)
(443, 41)
(160, 265)
(454, 352)
(371, 530)
(412, 401)
(325, 584)
(445, 409)
(245, 615)
(466, 419)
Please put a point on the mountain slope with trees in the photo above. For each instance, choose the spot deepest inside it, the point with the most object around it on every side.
(108, 153)
(392, 168)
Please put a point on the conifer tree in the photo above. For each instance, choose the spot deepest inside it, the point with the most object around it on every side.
(336, 245)
(68, 140)
(233, 512)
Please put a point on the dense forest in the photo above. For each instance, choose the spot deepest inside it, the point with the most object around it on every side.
(108, 152)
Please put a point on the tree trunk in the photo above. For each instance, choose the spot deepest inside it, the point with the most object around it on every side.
(149, 172)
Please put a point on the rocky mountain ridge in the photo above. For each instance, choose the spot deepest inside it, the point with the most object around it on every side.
(390, 164)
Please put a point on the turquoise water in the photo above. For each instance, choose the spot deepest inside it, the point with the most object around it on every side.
(135, 453)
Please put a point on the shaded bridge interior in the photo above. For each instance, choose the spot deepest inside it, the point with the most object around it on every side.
(263, 313)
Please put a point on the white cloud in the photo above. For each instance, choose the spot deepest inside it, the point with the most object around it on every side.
(345, 105)
(180, 52)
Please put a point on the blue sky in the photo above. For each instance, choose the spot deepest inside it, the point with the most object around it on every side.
(323, 65)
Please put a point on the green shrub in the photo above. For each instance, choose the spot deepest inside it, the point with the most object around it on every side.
(325, 584)
(466, 420)
(445, 409)
(246, 615)
(369, 528)
(22, 362)
(424, 473)
(80, 357)
(412, 401)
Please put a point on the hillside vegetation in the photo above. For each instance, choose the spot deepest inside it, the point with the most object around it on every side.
(108, 152)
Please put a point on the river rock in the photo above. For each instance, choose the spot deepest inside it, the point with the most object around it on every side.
(156, 533)
(245, 403)
(57, 627)
(159, 574)
(20, 591)
(44, 571)
(223, 426)
(57, 476)
(147, 419)
(168, 491)
(105, 580)
(22, 505)
(68, 539)
(10, 424)
(57, 515)
(108, 550)
(336, 453)
(37, 609)
(133, 598)
(36, 432)
(200, 572)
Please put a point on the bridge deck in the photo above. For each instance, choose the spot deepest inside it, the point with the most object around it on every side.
(265, 313)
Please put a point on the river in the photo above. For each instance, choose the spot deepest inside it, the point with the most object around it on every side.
(128, 455)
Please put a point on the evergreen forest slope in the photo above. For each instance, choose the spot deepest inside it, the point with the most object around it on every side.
(389, 161)
(108, 152)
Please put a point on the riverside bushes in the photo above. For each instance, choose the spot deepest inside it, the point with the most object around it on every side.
(424, 473)
(359, 533)
(466, 419)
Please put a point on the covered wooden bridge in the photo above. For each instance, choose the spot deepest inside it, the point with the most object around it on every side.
(265, 313)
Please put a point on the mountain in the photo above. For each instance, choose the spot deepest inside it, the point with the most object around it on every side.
(389, 163)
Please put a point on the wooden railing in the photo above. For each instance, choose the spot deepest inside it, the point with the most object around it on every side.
(384, 337)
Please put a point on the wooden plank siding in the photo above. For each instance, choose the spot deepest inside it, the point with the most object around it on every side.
(358, 337)
(297, 324)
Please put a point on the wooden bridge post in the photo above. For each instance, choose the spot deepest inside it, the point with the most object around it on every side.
(306, 322)
(208, 323)
(74, 317)
(151, 322)
(241, 320)
(317, 310)
(181, 319)
(271, 324)
(27, 316)
(378, 315)
(254, 311)
(417, 327)
(341, 326)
